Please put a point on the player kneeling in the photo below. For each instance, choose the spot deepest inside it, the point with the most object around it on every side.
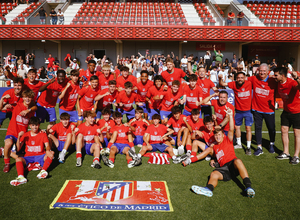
(62, 135)
(155, 139)
(35, 142)
(87, 137)
(119, 142)
(230, 165)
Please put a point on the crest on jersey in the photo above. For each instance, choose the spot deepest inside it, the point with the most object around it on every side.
(89, 132)
(32, 142)
(105, 83)
(91, 95)
(243, 89)
(171, 78)
(263, 86)
(65, 133)
(219, 110)
(120, 131)
(109, 99)
(128, 101)
(202, 84)
(171, 100)
(155, 133)
(191, 94)
(143, 89)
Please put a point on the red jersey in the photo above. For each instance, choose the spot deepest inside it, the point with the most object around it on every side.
(88, 132)
(140, 127)
(169, 99)
(123, 131)
(142, 90)
(18, 123)
(35, 145)
(242, 95)
(176, 124)
(196, 125)
(51, 60)
(101, 124)
(263, 94)
(205, 85)
(127, 101)
(220, 112)
(289, 92)
(68, 102)
(103, 81)
(48, 98)
(192, 96)
(88, 95)
(61, 131)
(87, 75)
(13, 100)
(106, 100)
(153, 91)
(156, 133)
(170, 77)
(33, 86)
(224, 151)
(121, 81)
(208, 137)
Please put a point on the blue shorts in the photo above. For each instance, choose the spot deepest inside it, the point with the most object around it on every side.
(144, 107)
(187, 113)
(206, 110)
(159, 147)
(73, 115)
(175, 139)
(226, 133)
(206, 147)
(33, 159)
(99, 113)
(88, 149)
(60, 145)
(105, 143)
(240, 115)
(138, 140)
(13, 138)
(4, 115)
(45, 114)
(152, 112)
(165, 114)
(120, 147)
(130, 114)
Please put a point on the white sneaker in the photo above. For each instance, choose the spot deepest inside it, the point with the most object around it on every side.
(131, 164)
(208, 158)
(79, 162)
(175, 151)
(61, 157)
(20, 180)
(181, 150)
(107, 162)
(42, 175)
(96, 164)
(238, 146)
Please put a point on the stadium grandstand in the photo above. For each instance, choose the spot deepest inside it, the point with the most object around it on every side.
(267, 28)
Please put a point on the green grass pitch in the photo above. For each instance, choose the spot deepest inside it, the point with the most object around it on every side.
(276, 184)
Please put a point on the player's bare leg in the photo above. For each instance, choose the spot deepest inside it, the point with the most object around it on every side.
(215, 176)
(95, 150)
(79, 145)
(285, 139)
(113, 152)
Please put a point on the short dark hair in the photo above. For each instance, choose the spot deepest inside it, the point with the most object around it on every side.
(169, 60)
(238, 73)
(18, 80)
(156, 116)
(112, 82)
(158, 77)
(106, 111)
(94, 77)
(217, 130)
(32, 71)
(176, 83)
(207, 119)
(176, 110)
(117, 115)
(124, 68)
(195, 111)
(281, 71)
(92, 61)
(34, 121)
(74, 73)
(139, 110)
(193, 77)
(60, 71)
(28, 93)
(144, 71)
(87, 114)
(64, 116)
(223, 92)
(128, 84)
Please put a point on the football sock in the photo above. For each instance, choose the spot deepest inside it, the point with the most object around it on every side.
(128, 161)
(194, 154)
(210, 187)
(109, 145)
(7, 160)
(64, 151)
(248, 144)
(96, 158)
(47, 163)
(20, 168)
(112, 160)
(247, 182)
(239, 141)
(131, 144)
(194, 159)
(188, 147)
(78, 154)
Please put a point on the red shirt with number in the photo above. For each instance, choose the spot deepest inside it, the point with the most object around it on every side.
(169, 99)
(206, 85)
(156, 133)
(176, 124)
(48, 98)
(122, 136)
(142, 90)
(242, 95)
(263, 94)
(68, 102)
(224, 151)
(88, 95)
(35, 145)
(126, 100)
(289, 92)
(192, 96)
(170, 77)
(152, 92)
(106, 100)
(220, 111)
(13, 100)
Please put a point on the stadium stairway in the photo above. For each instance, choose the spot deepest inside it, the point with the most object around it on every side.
(70, 12)
(191, 15)
(14, 13)
(254, 21)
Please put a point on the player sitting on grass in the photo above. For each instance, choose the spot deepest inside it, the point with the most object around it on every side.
(105, 125)
(87, 137)
(119, 142)
(22, 112)
(35, 142)
(62, 135)
(140, 126)
(230, 165)
(155, 139)
(179, 127)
